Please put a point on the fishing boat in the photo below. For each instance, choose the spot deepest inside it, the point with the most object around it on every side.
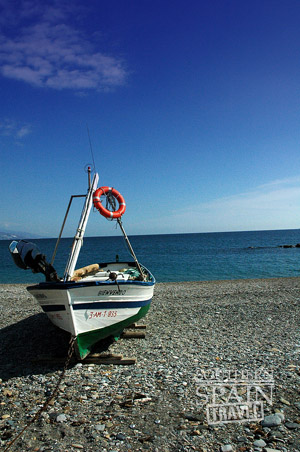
(98, 300)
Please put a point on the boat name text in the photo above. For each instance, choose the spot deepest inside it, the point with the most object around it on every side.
(111, 292)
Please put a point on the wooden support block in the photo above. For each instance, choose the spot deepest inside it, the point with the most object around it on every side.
(119, 362)
(105, 355)
(95, 358)
(133, 334)
(137, 326)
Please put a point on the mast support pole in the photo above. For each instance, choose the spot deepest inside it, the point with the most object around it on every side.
(130, 248)
(63, 225)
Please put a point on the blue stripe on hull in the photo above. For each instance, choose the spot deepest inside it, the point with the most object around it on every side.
(111, 304)
(77, 285)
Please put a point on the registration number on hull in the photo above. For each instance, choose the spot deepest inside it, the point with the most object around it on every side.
(102, 314)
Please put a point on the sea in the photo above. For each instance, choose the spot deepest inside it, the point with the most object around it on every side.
(177, 257)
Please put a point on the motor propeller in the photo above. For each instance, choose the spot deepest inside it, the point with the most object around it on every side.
(27, 255)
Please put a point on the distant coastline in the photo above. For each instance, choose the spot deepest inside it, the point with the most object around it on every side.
(12, 235)
(17, 235)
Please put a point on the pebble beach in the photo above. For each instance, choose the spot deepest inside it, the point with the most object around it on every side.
(199, 336)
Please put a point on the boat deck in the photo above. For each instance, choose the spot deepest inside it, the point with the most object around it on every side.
(114, 271)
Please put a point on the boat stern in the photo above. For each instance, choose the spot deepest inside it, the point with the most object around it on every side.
(55, 303)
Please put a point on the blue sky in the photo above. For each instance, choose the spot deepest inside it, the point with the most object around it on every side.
(192, 107)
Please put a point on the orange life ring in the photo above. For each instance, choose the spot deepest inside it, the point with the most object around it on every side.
(105, 212)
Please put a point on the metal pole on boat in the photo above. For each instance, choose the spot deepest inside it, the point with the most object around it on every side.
(89, 173)
(63, 225)
(109, 201)
(130, 248)
(78, 239)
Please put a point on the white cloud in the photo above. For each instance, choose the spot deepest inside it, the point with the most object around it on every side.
(47, 52)
(14, 129)
(23, 131)
(274, 205)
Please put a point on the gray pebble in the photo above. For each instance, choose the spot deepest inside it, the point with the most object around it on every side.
(120, 437)
(271, 421)
(192, 417)
(242, 439)
(226, 448)
(268, 449)
(61, 418)
(259, 443)
(292, 425)
(276, 434)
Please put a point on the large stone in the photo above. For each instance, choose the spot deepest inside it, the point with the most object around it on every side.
(280, 414)
(273, 420)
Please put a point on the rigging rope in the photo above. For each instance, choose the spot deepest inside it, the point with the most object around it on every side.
(111, 201)
(91, 148)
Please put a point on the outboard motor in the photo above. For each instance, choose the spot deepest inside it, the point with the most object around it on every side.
(27, 255)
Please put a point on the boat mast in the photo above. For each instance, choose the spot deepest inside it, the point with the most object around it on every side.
(78, 239)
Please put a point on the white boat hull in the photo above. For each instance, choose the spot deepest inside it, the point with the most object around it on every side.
(94, 308)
